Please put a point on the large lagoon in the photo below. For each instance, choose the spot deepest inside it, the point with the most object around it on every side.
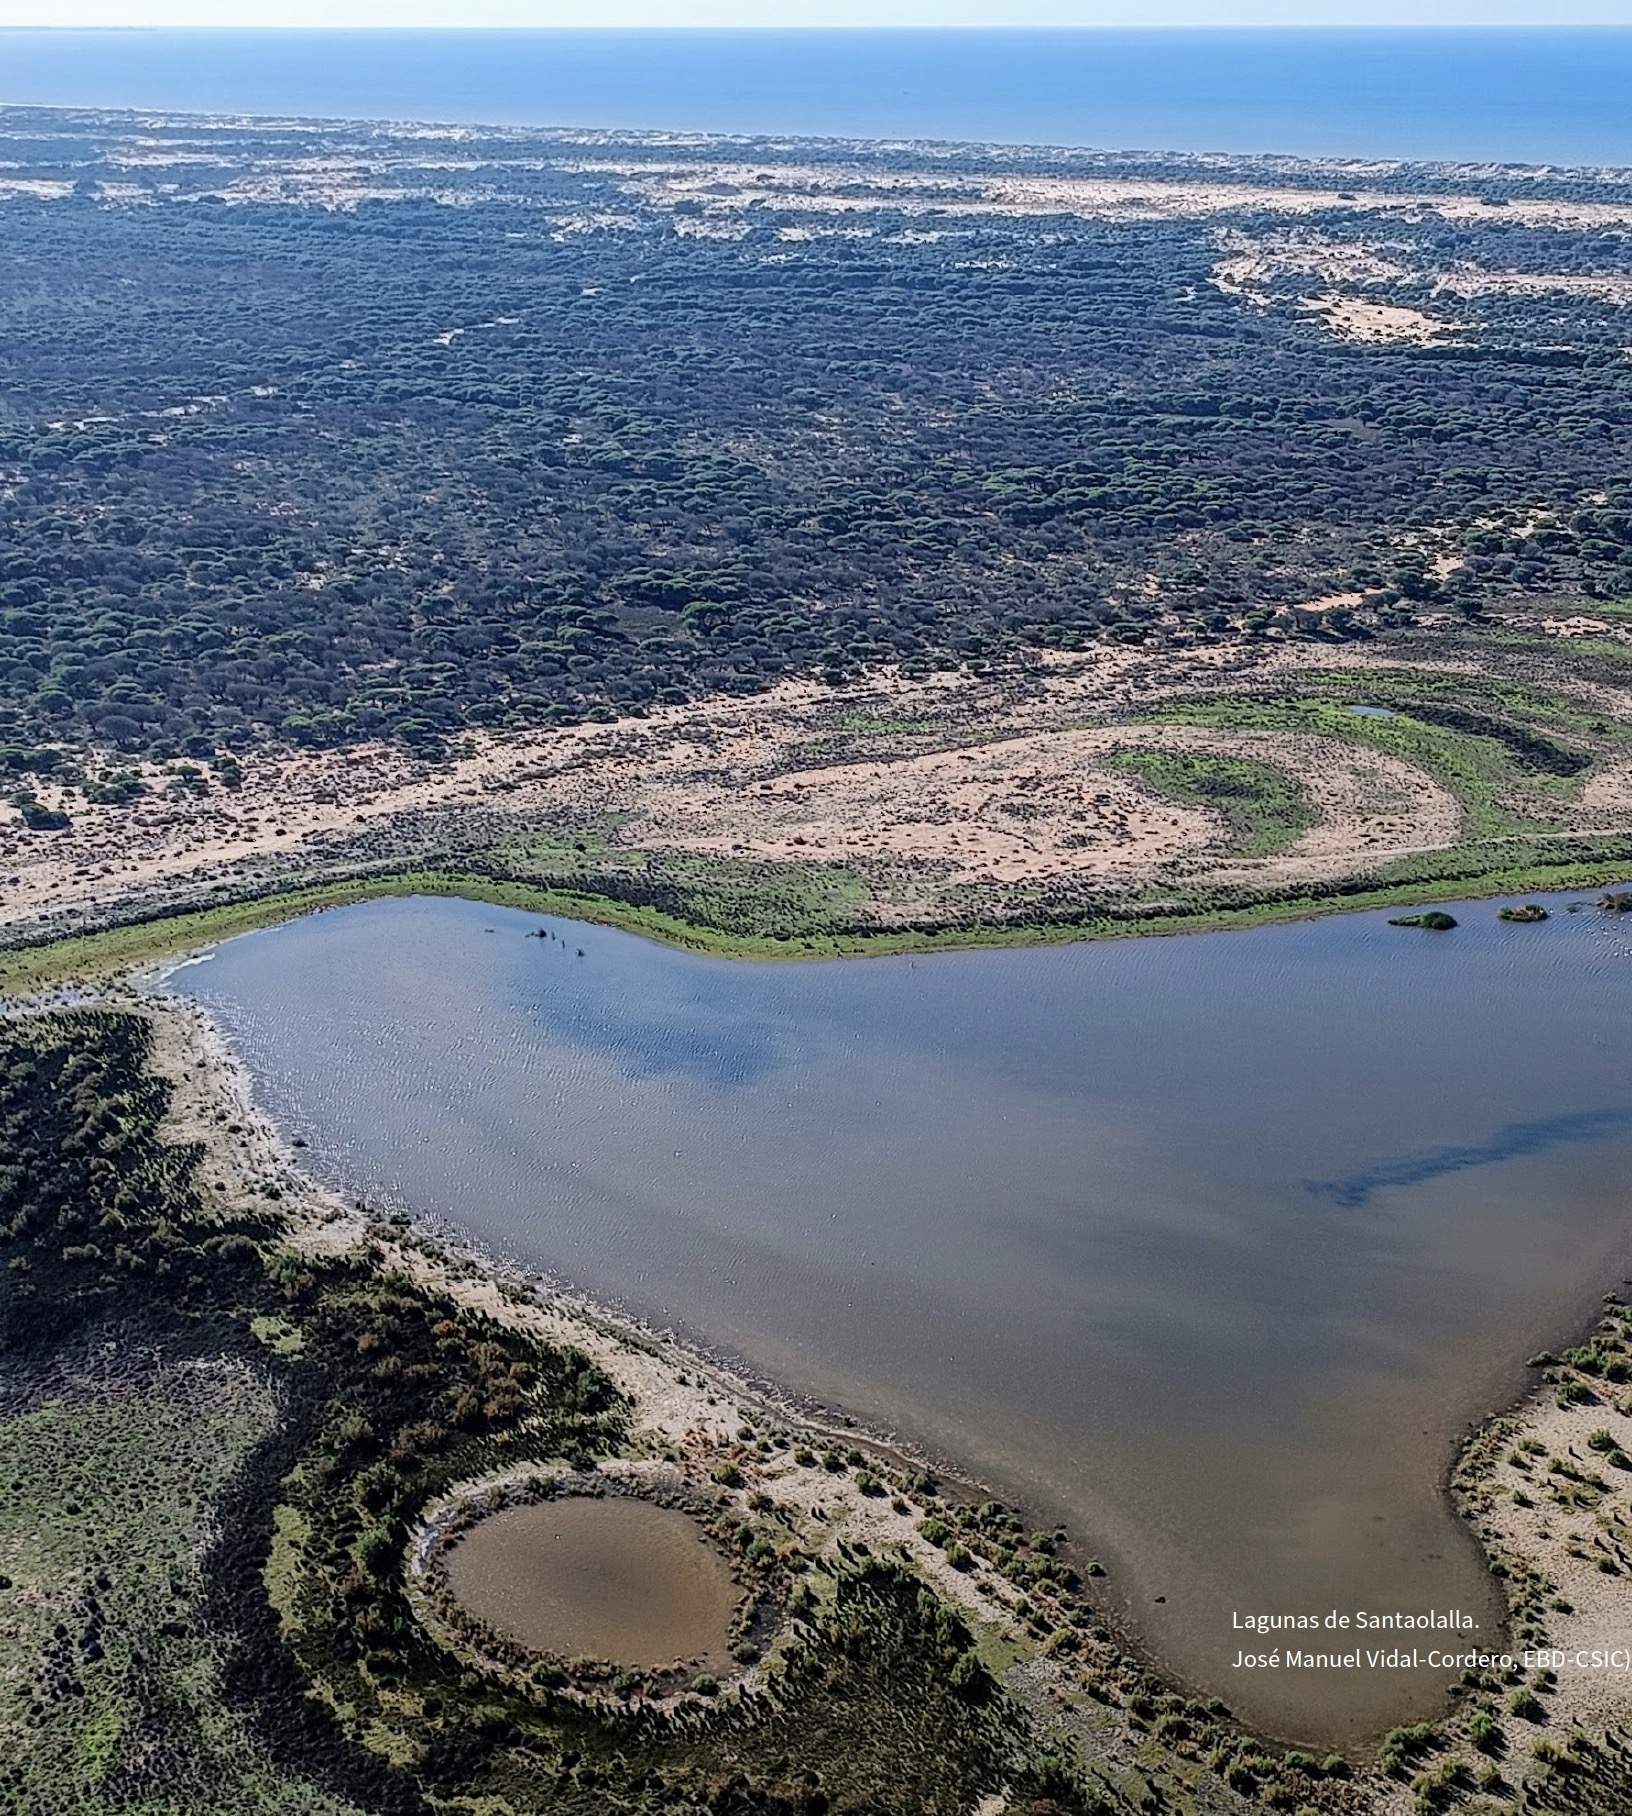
(1210, 1246)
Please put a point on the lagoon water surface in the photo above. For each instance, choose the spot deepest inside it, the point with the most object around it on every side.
(1210, 1246)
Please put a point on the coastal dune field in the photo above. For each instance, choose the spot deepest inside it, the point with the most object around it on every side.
(870, 536)
(477, 1336)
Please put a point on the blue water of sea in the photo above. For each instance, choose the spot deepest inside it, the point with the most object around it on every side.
(1538, 96)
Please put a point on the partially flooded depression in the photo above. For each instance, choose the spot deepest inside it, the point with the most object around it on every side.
(610, 1578)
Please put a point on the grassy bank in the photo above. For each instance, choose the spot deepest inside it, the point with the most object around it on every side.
(106, 952)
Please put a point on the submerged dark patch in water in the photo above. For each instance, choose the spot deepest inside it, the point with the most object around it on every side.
(1512, 1142)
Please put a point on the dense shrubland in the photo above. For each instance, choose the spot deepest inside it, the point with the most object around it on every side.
(417, 466)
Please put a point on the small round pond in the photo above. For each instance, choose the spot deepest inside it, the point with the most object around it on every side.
(617, 1579)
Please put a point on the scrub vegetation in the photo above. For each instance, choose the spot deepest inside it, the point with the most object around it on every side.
(213, 1449)
(802, 547)
(392, 437)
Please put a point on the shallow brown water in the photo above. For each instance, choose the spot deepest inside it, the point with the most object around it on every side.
(1209, 1246)
(615, 1578)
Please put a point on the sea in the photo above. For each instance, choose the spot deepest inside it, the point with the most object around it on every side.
(1524, 96)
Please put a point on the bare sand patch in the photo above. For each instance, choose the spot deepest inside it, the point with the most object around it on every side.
(1250, 266)
(1367, 803)
(1251, 263)
(1467, 280)
(1004, 812)
(853, 188)
(1576, 625)
(37, 189)
(1049, 805)
(1359, 319)
(1609, 791)
(1549, 1490)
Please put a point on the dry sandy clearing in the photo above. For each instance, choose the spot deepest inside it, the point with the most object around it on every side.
(1356, 318)
(1251, 265)
(860, 188)
(1049, 806)
(347, 177)
(956, 779)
